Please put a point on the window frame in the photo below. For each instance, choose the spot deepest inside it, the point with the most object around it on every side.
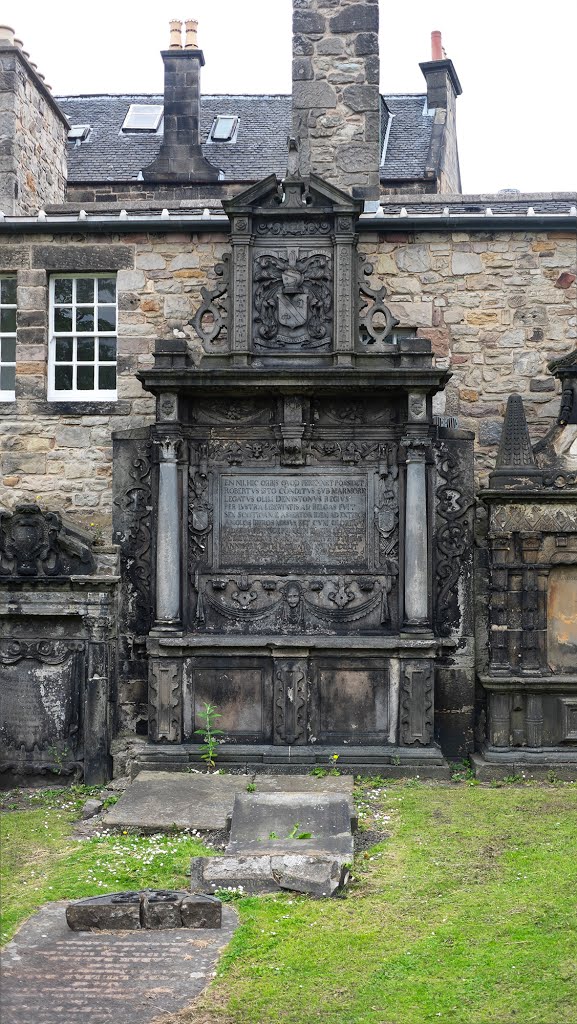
(232, 135)
(75, 394)
(8, 395)
(134, 111)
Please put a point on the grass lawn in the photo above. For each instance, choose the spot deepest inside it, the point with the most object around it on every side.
(467, 914)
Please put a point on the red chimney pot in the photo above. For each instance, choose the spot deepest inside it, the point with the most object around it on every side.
(436, 46)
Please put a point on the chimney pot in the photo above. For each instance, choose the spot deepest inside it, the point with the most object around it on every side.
(18, 43)
(436, 46)
(175, 35)
(191, 35)
(6, 35)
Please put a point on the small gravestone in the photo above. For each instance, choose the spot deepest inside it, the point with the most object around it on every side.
(148, 909)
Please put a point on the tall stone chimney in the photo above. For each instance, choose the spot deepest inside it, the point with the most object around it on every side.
(443, 87)
(336, 103)
(180, 157)
(33, 131)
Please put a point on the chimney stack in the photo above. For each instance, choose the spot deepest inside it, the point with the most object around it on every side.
(336, 102)
(180, 158)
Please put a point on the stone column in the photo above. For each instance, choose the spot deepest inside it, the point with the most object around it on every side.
(416, 535)
(168, 603)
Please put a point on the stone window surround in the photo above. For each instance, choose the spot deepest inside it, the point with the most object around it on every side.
(7, 394)
(74, 394)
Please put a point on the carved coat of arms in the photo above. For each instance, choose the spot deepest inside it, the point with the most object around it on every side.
(293, 301)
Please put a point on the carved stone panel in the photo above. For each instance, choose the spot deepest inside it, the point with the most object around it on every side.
(40, 692)
(281, 521)
(292, 300)
(35, 543)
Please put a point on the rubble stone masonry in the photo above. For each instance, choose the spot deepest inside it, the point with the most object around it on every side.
(34, 132)
(497, 307)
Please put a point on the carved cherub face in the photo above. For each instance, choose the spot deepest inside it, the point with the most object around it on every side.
(293, 595)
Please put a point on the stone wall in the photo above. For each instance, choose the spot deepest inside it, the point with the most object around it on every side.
(61, 452)
(496, 306)
(336, 103)
(34, 132)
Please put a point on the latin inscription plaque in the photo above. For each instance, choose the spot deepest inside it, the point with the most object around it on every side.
(293, 521)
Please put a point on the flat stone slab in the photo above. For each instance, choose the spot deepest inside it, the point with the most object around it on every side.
(158, 800)
(287, 823)
(52, 975)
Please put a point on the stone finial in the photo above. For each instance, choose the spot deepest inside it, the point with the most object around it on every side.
(175, 35)
(515, 465)
(191, 35)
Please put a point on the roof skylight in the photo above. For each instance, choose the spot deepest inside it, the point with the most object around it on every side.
(78, 132)
(143, 117)
(224, 128)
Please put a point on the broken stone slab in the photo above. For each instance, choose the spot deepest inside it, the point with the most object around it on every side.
(288, 823)
(147, 909)
(157, 801)
(253, 873)
(316, 875)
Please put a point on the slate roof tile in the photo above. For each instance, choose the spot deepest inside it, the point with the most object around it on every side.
(109, 154)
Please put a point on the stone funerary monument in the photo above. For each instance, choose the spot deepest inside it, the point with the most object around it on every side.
(257, 449)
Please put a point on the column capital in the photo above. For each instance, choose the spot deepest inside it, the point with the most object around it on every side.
(169, 448)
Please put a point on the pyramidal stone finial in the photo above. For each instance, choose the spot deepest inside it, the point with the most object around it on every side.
(516, 465)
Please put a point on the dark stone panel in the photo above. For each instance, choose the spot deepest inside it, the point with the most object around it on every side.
(356, 18)
(366, 43)
(308, 23)
(352, 699)
(83, 258)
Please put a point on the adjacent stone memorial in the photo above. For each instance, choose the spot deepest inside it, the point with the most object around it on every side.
(295, 529)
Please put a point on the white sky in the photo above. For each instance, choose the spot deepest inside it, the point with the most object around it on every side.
(516, 59)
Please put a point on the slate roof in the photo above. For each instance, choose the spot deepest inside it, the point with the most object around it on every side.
(409, 137)
(109, 154)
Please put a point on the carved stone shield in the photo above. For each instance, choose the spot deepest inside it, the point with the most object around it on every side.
(293, 310)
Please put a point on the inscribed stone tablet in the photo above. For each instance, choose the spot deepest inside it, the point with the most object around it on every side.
(293, 521)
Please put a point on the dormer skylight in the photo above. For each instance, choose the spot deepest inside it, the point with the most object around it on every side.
(78, 132)
(143, 117)
(224, 128)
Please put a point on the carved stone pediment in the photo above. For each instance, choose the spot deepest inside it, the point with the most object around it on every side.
(293, 283)
(36, 544)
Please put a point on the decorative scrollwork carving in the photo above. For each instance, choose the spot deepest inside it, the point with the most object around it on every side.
(376, 321)
(453, 536)
(49, 652)
(211, 318)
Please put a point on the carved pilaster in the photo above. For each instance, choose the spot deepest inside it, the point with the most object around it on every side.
(290, 700)
(165, 701)
(168, 531)
(241, 292)
(416, 534)
(417, 703)
(499, 719)
(534, 720)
